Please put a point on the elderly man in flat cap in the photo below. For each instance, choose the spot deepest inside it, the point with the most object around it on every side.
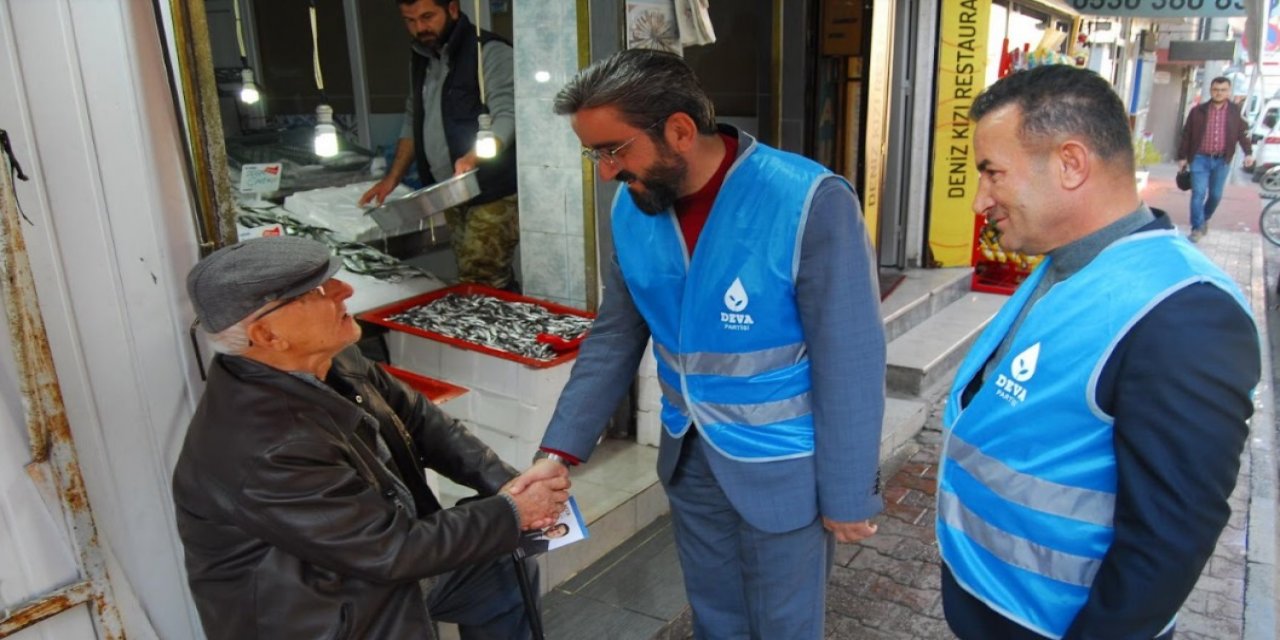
(300, 493)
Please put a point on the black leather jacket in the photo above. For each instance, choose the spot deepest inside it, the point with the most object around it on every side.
(289, 521)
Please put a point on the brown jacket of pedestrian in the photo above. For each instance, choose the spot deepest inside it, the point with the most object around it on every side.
(1197, 122)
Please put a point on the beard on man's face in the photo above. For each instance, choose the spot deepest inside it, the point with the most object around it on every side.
(661, 182)
(433, 40)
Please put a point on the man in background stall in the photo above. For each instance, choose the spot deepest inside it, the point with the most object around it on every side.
(439, 132)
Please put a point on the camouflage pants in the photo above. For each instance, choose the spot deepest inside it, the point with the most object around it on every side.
(484, 239)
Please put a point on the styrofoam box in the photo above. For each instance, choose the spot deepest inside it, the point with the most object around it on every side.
(648, 392)
(648, 428)
(509, 403)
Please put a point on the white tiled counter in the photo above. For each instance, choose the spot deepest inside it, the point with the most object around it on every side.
(510, 402)
(648, 400)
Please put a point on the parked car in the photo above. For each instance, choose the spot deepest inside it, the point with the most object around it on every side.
(1267, 118)
(1249, 107)
(1266, 153)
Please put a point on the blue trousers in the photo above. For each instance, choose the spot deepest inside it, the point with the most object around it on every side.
(743, 582)
(1208, 177)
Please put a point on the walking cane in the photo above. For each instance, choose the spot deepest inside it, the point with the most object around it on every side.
(526, 592)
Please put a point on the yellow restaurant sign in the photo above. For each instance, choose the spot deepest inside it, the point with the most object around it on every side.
(877, 115)
(962, 57)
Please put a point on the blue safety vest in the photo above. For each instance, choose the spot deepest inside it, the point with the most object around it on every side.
(727, 336)
(1026, 496)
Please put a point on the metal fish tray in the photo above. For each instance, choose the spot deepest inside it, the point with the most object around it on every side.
(409, 212)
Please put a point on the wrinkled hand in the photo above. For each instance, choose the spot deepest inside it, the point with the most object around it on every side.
(850, 531)
(465, 163)
(544, 469)
(539, 502)
(379, 191)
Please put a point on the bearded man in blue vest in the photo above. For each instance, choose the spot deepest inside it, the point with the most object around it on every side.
(439, 133)
(1093, 433)
(751, 269)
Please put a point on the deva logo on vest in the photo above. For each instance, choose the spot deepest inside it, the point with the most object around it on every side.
(736, 299)
(1009, 387)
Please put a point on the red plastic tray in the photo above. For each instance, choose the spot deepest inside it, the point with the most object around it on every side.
(567, 351)
(437, 391)
(996, 278)
(991, 276)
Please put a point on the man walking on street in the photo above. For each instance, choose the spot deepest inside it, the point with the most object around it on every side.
(439, 132)
(1094, 431)
(1209, 140)
(751, 269)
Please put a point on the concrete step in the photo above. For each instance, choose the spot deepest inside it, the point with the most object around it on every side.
(630, 594)
(903, 418)
(923, 356)
(923, 293)
(619, 494)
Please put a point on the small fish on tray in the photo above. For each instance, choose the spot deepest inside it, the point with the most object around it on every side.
(521, 328)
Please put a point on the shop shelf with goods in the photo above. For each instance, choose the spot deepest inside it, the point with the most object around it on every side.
(995, 269)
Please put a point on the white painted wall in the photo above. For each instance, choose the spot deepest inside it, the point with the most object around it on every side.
(85, 97)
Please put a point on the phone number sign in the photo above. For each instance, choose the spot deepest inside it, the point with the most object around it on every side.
(1159, 8)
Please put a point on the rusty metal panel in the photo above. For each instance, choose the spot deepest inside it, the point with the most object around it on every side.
(54, 463)
(28, 614)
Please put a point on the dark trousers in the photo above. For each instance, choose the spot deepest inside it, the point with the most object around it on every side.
(971, 619)
(484, 600)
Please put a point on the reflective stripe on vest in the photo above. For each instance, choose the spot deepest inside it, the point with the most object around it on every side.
(1019, 552)
(733, 364)
(1096, 507)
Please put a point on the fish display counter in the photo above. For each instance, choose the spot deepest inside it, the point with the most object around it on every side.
(508, 356)
(371, 293)
(377, 277)
(512, 352)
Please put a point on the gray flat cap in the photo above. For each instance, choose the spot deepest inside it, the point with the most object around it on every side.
(234, 281)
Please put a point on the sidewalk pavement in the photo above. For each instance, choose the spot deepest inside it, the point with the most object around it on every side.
(888, 586)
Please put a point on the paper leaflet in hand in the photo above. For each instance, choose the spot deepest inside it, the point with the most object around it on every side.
(569, 528)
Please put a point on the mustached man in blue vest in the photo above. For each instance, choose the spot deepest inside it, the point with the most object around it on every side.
(442, 116)
(1093, 433)
(751, 270)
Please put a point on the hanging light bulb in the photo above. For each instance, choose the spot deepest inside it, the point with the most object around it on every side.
(326, 133)
(248, 88)
(486, 142)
